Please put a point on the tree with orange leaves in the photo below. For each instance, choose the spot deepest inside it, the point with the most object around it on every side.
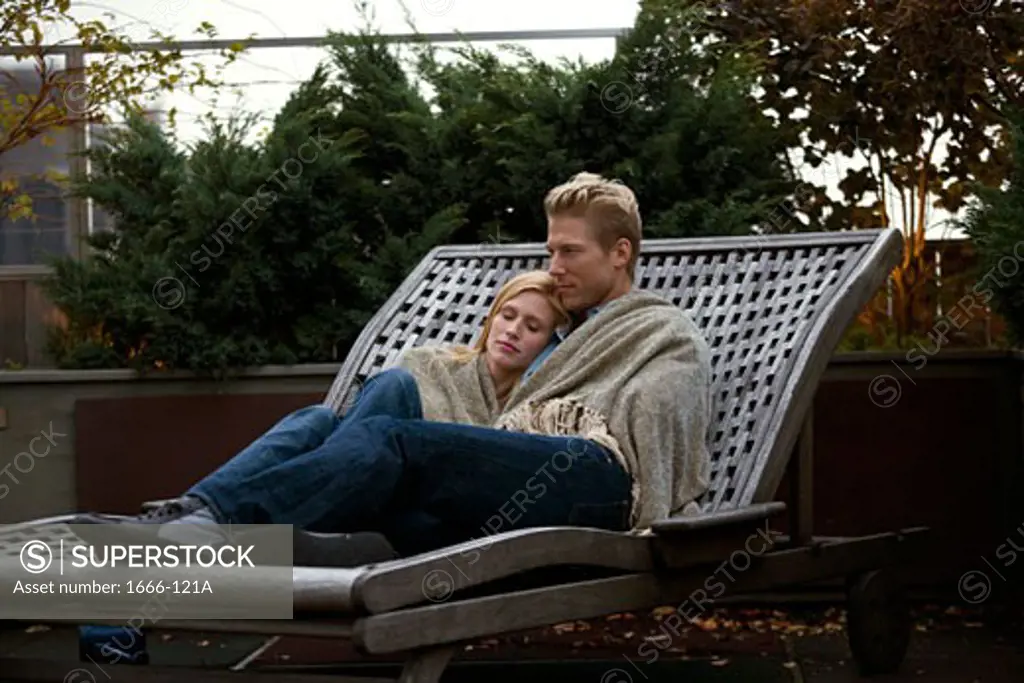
(914, 91)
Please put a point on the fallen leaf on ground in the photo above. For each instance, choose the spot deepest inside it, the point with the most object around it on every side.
(570, 627)
(710, 624)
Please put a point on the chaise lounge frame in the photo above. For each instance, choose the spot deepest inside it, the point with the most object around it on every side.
(773, 309)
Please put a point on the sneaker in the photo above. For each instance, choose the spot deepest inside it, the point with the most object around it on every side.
(181, 521)
(169, 511)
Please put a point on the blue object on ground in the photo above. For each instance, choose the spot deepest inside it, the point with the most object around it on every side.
(112, 645)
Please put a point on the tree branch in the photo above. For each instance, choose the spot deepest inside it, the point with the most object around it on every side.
(14, 134)
(922, 187)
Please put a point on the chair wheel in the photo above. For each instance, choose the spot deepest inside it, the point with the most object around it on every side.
(878, 622)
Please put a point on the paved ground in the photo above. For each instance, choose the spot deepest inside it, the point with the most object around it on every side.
(749, 646)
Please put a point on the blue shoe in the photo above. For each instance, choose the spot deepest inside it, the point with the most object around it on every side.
(112, 645)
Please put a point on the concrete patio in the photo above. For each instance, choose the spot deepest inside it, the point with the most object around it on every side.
(762, 645)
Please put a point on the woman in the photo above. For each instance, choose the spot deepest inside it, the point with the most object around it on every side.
(470, 385)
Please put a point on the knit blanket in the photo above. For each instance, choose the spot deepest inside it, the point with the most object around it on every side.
(635, 378)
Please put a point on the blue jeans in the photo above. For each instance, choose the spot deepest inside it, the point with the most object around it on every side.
(382, 467)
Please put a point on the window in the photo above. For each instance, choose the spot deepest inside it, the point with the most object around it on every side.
(27, 241)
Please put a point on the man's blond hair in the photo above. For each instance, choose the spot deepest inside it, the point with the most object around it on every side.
(609, 207)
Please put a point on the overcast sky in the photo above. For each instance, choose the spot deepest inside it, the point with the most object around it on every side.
(270, 75)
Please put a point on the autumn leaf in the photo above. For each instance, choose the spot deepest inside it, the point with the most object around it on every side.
(707, 624)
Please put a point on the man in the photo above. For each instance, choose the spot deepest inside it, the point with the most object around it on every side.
(607, 428)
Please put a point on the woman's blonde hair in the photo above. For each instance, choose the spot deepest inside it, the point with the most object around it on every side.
(539, 281)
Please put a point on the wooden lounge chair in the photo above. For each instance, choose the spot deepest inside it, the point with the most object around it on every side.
(773, 310)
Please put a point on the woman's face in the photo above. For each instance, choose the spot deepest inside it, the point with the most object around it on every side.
(521, 329)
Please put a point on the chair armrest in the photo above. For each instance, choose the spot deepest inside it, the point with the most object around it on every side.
(718, 519)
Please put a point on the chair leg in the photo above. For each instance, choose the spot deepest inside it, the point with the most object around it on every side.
(878, 622)
(427, 666)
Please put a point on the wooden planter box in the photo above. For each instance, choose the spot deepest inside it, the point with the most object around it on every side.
(935, 442)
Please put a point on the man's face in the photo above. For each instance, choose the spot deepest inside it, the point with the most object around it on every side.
(585, 273)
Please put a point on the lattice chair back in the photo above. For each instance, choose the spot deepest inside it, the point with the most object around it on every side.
(772, 308)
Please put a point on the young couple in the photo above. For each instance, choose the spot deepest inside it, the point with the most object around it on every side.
(584, 402)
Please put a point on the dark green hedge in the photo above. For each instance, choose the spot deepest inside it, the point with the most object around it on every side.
(361, 174)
